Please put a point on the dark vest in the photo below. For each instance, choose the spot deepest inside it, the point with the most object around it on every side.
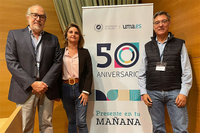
(169, 79)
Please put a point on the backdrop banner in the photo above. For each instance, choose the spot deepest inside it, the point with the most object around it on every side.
(115, 37)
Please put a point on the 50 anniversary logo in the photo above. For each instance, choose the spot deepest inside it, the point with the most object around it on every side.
(120, 61)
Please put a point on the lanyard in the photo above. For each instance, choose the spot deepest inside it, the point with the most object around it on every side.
(37, 54)
(161, 50)
(161, 56)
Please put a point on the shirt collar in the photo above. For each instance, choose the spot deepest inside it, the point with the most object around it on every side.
(66, 53)
(31, 32)
(165, 40)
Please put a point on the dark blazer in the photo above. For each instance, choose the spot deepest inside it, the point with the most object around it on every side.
(85, 69)
(21, 63)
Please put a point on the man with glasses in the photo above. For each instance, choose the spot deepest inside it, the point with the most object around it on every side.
(165, 77)
(33, 58)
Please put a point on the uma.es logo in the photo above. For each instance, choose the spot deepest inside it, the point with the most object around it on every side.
(126, 55)
(132, 26)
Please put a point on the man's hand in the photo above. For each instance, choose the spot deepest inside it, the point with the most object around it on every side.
(147, 100)
(181, 100)
(84, 98)
(39, 87)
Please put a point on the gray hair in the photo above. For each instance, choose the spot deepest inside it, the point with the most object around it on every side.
(162, 13)
(29, 10)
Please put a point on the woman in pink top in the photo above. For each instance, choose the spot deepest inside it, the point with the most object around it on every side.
(76, 79)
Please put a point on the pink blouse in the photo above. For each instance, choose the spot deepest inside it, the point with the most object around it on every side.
(70, 66)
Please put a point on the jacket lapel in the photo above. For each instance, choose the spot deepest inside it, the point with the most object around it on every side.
(80, 58)
(44, 45)
(27, 38)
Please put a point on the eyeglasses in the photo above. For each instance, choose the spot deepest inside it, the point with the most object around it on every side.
(35, 16)
(164, 21)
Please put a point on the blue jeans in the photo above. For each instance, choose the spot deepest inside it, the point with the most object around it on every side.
(76, 112)
(178, 116)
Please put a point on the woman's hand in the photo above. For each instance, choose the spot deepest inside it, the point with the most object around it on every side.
(84, 98)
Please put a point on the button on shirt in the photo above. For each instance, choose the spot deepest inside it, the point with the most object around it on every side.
(70, 66)
(185, 65)
(161, 47)
(37, 44)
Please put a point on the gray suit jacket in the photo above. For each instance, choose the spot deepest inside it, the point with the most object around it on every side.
(21, 63)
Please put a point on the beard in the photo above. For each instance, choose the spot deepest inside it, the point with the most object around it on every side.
(36, 27)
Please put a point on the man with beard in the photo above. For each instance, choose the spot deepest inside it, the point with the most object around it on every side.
(33, 58)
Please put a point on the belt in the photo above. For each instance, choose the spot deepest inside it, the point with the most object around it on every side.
(71, 81)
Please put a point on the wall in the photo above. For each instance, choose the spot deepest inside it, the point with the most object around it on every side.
(185, 24)
(12, 16)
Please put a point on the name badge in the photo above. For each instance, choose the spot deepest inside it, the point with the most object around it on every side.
(161, 66)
